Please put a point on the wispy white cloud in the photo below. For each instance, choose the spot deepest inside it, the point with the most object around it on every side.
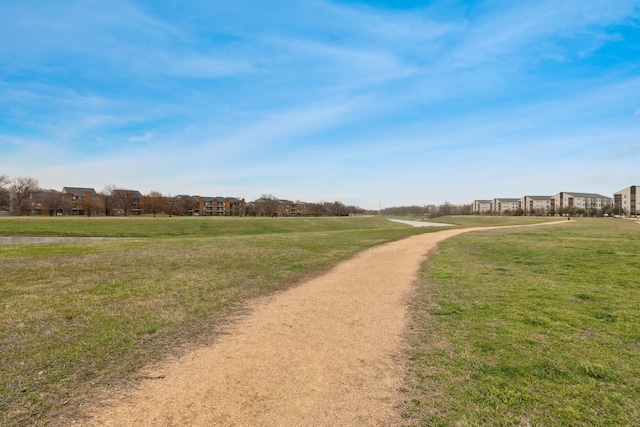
(144, 137)
(344, 64)
(527, 32)
(320, 98)
(201, 66)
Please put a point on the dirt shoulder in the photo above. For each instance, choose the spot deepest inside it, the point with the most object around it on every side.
(326, 353)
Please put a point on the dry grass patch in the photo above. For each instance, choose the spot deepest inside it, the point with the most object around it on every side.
(80, 317)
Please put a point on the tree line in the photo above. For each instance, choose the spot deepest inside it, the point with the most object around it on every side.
(430, 211)
(26, 197)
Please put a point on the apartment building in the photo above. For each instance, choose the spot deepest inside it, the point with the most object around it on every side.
(481, 207)
(535, 205)
(184, 204)
(221, 206)
(299, 209)
(626, 202)
(125, 202)
(291, 208)
(503, 205)
(285, 208)
(565, 202)
(77, 197)
(208, 206)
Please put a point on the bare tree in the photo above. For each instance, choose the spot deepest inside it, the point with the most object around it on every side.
(20, 189)
(93, 204)
(317, 209)
(4, 193)
(121, 202)
(268, 205)
(338, 209)
(109, 202)
(354, 210)
(55, 202)
(155, 203)
(252, 209)
(184, 205)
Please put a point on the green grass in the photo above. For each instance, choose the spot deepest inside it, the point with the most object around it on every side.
(482, 221)
(536, 326)
(178, 226)
(491, 221)
(78, 316)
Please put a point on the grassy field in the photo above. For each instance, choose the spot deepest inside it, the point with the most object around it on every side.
(535, 326)
(529, 327)
(491, 221)
(79, 316)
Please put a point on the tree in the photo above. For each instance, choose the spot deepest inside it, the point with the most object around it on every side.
(338, 209)
(109, 202)
(268, 205)
(20, 189)
(155, 203)
(4, 193)
(184, 205)
(55, 202)
(93, 204)
(317, 209)
(608, 210)
(445, 209)
(121, 202)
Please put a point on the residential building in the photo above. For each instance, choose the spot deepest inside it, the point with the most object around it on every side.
(184, 204)
(45, 203)
(234, 206)
(291, 208)
(481, 207)
(221, 206)
(504, 205)
(299, 209)
(535, 205)
(77, 196)
(285, 208)
(626, 202)
(207, 206)
(125, 202)
(572, 202)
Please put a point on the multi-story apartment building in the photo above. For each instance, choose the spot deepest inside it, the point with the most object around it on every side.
(626, 201)
(481, 207)
(208, 206)
(184, 204)
(565, 202)
(299, 209)
(502, 205)
(51, 202)
(125, 202)
(535, 205)
(221, 206)
(285, 208)
(77, 197)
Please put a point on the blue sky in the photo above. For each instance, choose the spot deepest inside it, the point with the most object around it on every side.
(373, 103)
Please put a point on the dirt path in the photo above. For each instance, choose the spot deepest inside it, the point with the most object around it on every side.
(322, 354)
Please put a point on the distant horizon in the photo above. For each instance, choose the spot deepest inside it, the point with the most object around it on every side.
(380, 207)
(372, 103)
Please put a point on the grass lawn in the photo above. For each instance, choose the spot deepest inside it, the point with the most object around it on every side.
(528, 327)
(79, 316)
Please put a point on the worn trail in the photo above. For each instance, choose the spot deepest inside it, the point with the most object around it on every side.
(325, 353)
